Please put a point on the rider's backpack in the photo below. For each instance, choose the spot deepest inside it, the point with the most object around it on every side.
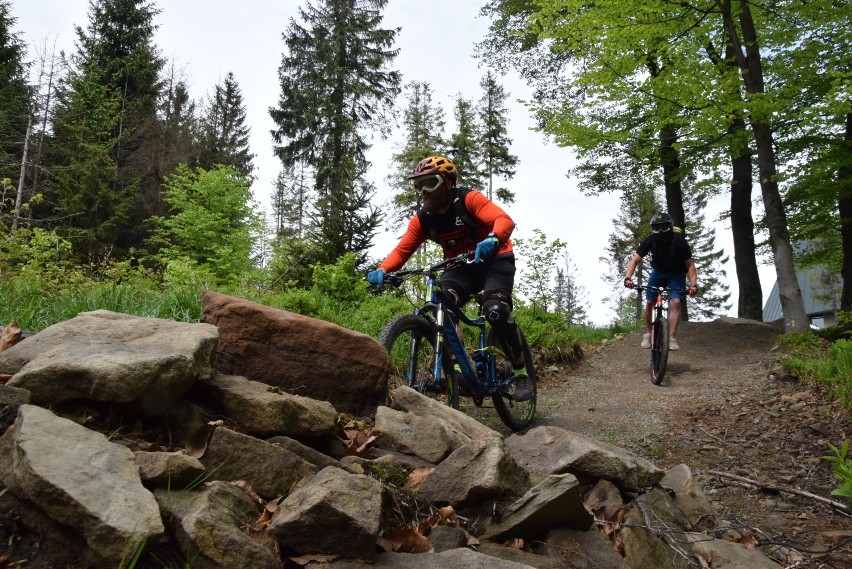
(458, 210)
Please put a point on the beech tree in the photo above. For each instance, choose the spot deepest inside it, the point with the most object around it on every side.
(607, 69)
(335, 88)
(212, 221)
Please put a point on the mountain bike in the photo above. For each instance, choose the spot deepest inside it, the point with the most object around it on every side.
(659, 331)
(424, 346)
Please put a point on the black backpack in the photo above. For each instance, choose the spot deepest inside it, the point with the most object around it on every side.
(458, 209)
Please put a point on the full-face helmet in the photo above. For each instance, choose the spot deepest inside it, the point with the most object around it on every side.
(662, 223)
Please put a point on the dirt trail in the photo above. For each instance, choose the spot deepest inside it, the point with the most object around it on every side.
(723, 407)
(610, 397)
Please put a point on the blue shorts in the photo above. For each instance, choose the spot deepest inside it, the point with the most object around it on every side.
(672, 281)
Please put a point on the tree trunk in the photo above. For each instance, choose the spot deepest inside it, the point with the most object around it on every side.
(844, 205)
(19, 197)
(750, 301)
(670, 161)
(792, 305)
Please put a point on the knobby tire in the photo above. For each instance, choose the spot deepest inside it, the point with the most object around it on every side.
(409, 340)
(659, 349)
(516, 415)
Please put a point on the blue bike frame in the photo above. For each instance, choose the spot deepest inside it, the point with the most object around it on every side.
(480, 373)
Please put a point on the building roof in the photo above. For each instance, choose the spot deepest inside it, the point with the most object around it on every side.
(813, 294)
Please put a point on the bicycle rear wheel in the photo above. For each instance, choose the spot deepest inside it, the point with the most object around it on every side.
(516, 415)
(659, 349)
(410, 342)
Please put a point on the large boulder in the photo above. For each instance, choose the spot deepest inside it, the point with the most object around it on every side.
(300, 355)
(143, 364)
(80, 479)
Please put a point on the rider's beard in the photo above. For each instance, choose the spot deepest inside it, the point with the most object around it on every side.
(436, 201)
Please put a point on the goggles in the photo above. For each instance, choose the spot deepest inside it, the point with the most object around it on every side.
(661, 227)
(428, 183)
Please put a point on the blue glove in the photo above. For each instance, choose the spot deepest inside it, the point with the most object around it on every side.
(485, 248)
(376, 278)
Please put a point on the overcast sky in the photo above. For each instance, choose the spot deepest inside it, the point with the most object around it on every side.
(209, 38)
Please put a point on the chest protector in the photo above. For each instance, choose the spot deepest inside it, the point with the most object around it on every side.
(455, 229)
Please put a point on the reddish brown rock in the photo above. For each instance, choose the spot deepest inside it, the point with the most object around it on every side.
(300, 355)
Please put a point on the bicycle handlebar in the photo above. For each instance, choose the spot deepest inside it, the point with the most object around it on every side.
(396, 278)
(659, 289)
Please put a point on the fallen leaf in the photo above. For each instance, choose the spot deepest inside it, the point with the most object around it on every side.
(405, 540)
(417, 476)
(305, 559)
(4, 378)
(249, 491)
(11, 335)
(196, 443)
(748, 541)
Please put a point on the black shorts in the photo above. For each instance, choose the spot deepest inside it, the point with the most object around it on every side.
(497, 274)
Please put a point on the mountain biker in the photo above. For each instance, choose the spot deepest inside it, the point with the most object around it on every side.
(671, 266)
(461, 219)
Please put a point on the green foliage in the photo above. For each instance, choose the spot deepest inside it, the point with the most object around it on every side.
(537, 281)
(826, 364)
(213, 221)
(224, 137)
(336, 89)
(105, 135)
(841, 466)
(497, 161)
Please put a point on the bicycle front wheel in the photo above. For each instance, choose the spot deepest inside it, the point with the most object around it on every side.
(659, 349)
(516, 415)
(410, 342)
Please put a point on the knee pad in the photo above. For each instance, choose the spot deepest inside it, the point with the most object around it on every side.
(496, 311)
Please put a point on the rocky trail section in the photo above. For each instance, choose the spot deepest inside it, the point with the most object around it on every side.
(727, 411)
(284, 469)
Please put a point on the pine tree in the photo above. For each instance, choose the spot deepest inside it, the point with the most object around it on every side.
(335, 87)
(465, 146)
(497, 161)
(224, 136)
(423, 124)
(105, 127)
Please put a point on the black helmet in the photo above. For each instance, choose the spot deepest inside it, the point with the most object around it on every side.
(662, 223)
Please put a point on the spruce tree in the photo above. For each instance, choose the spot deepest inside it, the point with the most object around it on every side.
(106, 130)
(571, 298)
(224, 136)
(423, 125)
(713, 299)
(336, 89)
(497, 161)
(465, 145)
(14, 98)
(178, 126)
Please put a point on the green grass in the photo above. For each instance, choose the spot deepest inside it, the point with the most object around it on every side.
(822, 362)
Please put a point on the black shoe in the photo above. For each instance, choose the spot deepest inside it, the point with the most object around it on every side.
(523, 387)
